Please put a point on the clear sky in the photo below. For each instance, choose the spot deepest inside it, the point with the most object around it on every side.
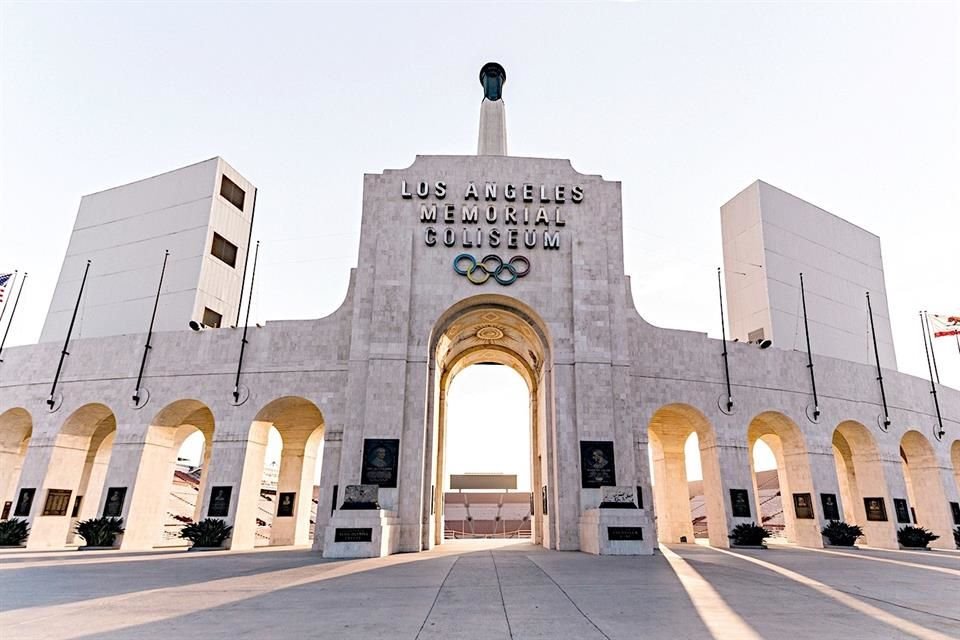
(851, 106)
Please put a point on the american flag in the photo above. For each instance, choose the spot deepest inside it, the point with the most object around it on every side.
(4, 281)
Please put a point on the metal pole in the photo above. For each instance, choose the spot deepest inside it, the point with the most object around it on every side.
(66, 343)
(723, 331)
(246, 323)
(246, 258)
(933, 388)
(933, 353)
(153, 316)
(876, 353)
(806, 328)
(13, 312)
(6, 301)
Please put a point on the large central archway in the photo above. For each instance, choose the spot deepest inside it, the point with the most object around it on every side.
(490, 329)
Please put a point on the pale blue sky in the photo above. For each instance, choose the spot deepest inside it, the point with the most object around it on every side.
(852, 106)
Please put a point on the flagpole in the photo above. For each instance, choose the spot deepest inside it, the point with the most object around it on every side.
(938, 431)
(876, 353)
(13, 312)
(153, 316)
(933, 353)
(246, 323)
(723, 331)
(51, 401)
(13, 283)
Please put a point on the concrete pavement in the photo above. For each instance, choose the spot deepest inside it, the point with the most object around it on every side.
(482, 589)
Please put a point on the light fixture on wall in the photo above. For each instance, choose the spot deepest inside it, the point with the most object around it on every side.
(196, 326)
(763, 344)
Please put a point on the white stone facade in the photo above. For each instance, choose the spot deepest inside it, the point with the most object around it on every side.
(124, 232)
(769, 238)
(380, 366)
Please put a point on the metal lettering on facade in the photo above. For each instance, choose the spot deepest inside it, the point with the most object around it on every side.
(516, 216)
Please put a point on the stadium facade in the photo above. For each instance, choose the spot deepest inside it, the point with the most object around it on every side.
(484, 258)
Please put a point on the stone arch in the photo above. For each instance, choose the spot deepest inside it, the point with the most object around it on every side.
(789, 448)
(78, 464)
(921, 471)
(159, 482)
(500, 329)
(16, 428)
(300, 424)
(861, 477)
(669, 429)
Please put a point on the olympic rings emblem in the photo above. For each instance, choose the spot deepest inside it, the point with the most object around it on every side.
(478, 272)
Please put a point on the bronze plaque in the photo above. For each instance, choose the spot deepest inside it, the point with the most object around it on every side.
(831, 509)
(597, 466)
(285, 503)
(58, 501)
(902, 510)
(876, 509)
(358, 534)
(624, 533)
(380, 460)
(955, 510)
(740, 503)
(24, 503)
(113, 507)
(803, 506)
(220, 502)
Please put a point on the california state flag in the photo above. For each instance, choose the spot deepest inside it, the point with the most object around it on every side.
(943, 325)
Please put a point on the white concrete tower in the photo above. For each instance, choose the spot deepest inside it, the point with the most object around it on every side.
(493, 115)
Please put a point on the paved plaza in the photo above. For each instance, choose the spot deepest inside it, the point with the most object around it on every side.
(482, 589)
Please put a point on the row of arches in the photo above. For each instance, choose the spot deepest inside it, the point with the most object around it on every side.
(857, 479)
(280, 469)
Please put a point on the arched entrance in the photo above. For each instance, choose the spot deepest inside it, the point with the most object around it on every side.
(670, 428)
(925, 495)
(862, 483)
(172, 473)
(500, 330)
(785, 441)
(16, 427)
(281, 503)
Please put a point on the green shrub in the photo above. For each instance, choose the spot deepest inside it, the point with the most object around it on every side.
(842, 534)
(100, 532)
(210, 532)
(14, 532)
(915, 537)
(750, 535)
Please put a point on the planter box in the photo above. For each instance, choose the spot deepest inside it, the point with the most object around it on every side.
(88, 548)
(207, 549)
(906, 548)
(748, 546)
(13, 546)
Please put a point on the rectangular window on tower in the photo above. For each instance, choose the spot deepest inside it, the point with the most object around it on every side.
(224, 249)
(211, 318)
(231, 192)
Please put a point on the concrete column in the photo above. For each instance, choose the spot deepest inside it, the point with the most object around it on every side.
(296, 475)
(931, 504)
(329, 472)
(204, 475)
(492, 140)
(734, 460)
(564, 498)
(671, 491)
(66, 460)
(143, 465)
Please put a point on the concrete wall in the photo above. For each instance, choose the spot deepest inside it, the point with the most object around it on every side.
(124, 232)
(769, 238)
